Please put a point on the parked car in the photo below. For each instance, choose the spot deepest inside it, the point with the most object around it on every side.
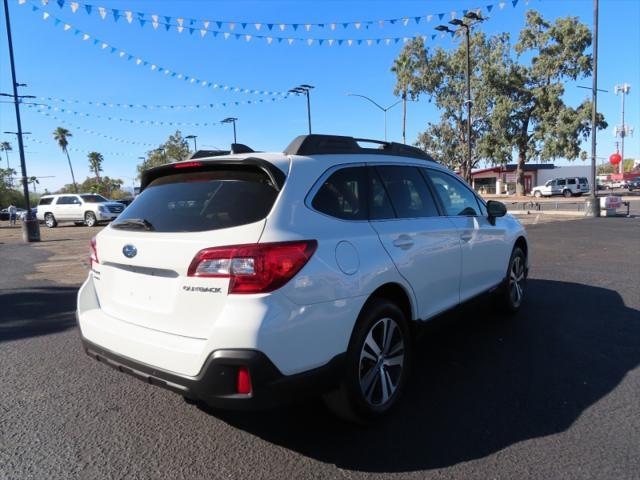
(634, 184)
(87, 208)
(244, 280)
(567, 187)
(619, 184)
(4, 215)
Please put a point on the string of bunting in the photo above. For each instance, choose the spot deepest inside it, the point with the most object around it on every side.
(73, 149)
(200, 106)
(44, 108)
(203, 25)
(269, 39)
(112, 49)
(92, 132)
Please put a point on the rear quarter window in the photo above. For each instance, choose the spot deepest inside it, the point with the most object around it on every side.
(200, 201)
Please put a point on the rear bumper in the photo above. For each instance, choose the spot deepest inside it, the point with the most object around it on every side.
(215, 385)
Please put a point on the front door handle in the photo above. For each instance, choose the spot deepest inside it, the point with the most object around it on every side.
(403, 241)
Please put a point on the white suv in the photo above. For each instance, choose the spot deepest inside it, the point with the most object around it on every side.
(566, 187)
(87, 208)
(242, 280)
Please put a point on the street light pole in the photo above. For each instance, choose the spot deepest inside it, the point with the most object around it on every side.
(30, 227)
(232, 120)
(623, 129)
(305, 89)
(195, 143)
(385, 110)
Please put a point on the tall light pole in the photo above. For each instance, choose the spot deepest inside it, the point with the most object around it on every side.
(385, 110)
(232, 120)
(592, 207)
(195, 143)
(305, 90)
(472, 19)
(622, 130)
(30, 227)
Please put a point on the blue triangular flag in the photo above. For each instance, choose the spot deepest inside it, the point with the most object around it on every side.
(359, 42)
(142, 22)
(113, 49)
(320, 40)
(215, 34)
(489, 8)
(191, 31)
(167, 26)
(76, 31)
(57, 21)
(295, 26)
(279, 39)
(321, 25)
(129, 57)
(167, 19)
(88, 9)
(433, 36)
(95, 41)
(464, 12)
(116, 14)
(34, 8)
(145, 63)
(393, 21)
(396, 40)
(269, 26)
(219, 24)
(244, 25)
(237, 35)
(60, 3)
(514, 2)
(345, 25)
(191, 21)
(417, 19)
(340, 42)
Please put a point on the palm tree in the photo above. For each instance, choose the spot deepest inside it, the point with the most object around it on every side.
(403, 68)
(33, 181)
(6, 147)
(61, 136)
(95, 164)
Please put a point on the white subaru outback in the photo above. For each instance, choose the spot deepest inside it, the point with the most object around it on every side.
(243, 280)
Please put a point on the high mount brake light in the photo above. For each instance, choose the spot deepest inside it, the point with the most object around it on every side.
(93, 258)
(253, 268)
(187, 164)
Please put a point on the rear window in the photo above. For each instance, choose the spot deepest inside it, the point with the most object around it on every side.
(583, 180)
(45, 201)
(200, 201)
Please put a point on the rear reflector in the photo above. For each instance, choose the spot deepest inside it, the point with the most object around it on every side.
(243, 385)
(253, 268)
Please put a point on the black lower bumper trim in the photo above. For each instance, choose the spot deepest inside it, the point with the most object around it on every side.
(215, 385)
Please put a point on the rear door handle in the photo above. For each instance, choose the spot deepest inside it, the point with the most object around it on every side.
(465, 237)
(403, 241)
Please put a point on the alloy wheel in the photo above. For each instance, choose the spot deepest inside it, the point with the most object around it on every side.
(516, 281)
(381, 362)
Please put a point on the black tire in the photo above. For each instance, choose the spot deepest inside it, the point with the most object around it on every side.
(90, 219)
(77, 224)
(511, 294)
(364, 366)
(50, 221)
(538, 194)
(567, 193)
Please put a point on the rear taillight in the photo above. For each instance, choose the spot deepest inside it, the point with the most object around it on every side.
(94, 253)
(253, 268)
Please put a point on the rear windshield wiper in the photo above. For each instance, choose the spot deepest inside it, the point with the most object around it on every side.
(133, 222)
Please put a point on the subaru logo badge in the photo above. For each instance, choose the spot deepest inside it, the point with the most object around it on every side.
(129, 251)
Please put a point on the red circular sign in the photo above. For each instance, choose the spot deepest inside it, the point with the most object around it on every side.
(615, 159)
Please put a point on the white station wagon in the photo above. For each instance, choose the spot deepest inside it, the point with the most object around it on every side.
(244, 280)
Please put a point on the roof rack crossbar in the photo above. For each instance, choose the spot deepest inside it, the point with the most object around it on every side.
(316, 144)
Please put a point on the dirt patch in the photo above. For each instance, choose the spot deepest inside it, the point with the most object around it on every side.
(68, 246)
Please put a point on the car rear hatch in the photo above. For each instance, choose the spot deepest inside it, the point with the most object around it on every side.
(141, 273)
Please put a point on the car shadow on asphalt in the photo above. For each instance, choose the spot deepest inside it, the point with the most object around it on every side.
(31, 312)
(479, 384)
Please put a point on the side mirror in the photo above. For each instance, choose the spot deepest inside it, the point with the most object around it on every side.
(495, 209)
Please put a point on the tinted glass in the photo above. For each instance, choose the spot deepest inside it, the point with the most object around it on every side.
(45, 201)
(408, 191)
(199, 201)
(343, 194)
(456, 197)
(583, 180)
(571, 181)
(93, 198)
(379, 204)
(64, 200)
(562, 182)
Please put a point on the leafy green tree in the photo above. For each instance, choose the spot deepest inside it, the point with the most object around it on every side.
(61, 135)
(6, 148)
(108, 187)
(33, 181)
(95, 164)
(608, 168)
(175, 149)
(441, 75)
(530, 114)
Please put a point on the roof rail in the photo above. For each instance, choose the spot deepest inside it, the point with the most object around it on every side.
(316, 144)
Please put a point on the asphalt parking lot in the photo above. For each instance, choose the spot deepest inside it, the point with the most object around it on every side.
(551, 393)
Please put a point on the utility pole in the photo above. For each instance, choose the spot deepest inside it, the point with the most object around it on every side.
(30, 226)
(623, 130)
(592, 207)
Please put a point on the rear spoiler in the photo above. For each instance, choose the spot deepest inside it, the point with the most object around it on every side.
(276, 175)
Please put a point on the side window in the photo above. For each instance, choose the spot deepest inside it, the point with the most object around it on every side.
(408, 191)
(571, 181)
(45, 201)
(62, 201)
(379, 204)
(562, 182)
(343, 194)
(457, 198)
(74, 201)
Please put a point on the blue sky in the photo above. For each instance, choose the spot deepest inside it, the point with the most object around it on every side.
(56, 63)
